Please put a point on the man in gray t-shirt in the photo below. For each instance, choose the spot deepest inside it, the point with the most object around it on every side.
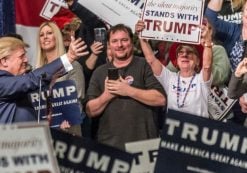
(124, 108)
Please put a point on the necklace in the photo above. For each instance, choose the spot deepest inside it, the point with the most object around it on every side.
(186, 93)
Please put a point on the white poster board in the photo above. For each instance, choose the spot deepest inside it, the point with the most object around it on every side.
(173, 20)
(115, 11)
(146, 154)
(26, 148)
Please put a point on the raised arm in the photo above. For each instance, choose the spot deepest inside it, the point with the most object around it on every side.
(77, 48)
(207, 43)
(96, 49)
(237, 86)
(147, 50)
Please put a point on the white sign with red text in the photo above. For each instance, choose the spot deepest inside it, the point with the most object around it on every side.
(173, 20)
(26, 148)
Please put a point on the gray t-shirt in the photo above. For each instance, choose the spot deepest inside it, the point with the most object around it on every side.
(125, 119)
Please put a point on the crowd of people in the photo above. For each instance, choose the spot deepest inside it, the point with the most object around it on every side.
(162, 76)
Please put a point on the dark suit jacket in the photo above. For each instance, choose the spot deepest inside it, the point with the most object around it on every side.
(14, 104)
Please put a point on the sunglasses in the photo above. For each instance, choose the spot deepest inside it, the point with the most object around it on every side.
(187, 52)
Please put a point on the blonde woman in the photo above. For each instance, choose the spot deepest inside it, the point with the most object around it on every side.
(49, 47)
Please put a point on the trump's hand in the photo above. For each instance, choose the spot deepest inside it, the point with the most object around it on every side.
(77, 48)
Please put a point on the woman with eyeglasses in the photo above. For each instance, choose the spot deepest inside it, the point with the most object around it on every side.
(188, 89)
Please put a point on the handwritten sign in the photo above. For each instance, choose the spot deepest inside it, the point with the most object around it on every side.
(173, 20)
(26, 148)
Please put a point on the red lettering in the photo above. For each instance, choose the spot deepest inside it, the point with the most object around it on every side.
(147, 21)
(157, 25)
(180, 28)
(170, 26)
(167, 26)
(191, 28)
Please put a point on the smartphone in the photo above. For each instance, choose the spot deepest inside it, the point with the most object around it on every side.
(100, 35)
(113, 74)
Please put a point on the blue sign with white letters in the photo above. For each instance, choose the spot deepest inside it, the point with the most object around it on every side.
(82, 155)
(194, 144)
(61, 100)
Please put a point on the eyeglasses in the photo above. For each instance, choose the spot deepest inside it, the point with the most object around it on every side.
(187, 52)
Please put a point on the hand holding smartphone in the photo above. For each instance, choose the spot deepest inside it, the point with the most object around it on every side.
(113, 74)
(100, 35)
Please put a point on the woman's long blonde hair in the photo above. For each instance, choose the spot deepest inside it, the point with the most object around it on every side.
(41, 59)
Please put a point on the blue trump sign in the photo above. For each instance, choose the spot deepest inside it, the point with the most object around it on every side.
(82, 155)
(194, 144)
(62, 100)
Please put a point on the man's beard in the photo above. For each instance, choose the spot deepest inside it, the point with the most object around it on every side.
(123, 57)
